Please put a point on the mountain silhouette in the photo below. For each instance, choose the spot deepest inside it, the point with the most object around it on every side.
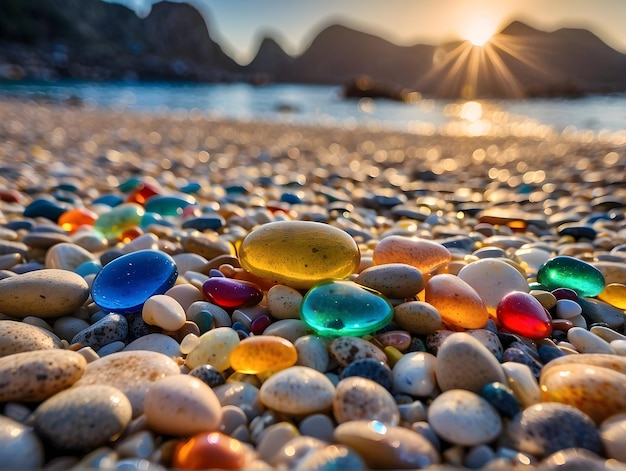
(92, 39)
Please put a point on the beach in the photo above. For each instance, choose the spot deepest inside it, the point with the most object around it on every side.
(518, 205)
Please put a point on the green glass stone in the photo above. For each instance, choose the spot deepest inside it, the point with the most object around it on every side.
(338, 308)
(569, 272)
(169, 205)
(129, 185)
(113, 223)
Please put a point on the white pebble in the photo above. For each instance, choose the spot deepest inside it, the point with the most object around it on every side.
(587, 342)
(566, 309)
(163, 311)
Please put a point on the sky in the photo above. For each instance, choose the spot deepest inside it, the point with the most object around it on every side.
(239, 25)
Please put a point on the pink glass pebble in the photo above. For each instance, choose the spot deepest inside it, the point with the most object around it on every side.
(565, 293)
(521, 313)
(231, 294)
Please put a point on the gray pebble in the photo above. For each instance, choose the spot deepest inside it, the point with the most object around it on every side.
(110, 328)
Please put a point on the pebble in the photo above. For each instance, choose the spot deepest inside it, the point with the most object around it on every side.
(182, 405)
(415, 374)
(369, 368)
(131, 372)
(243, 395)
(83, 419)
(263, 354)
(163, 311)
(111, 328)
(521, 313)
(464, 418)
(299, 254)
(36, 375)
(459, 350)
(425, 255)
(155, 342)
(546, 428)
(21, 447)
(587, 342)
(385, 446)
(45, 293)
(567, 272)
(67, 256)
(335, 308)
(214, 348)
(346, 350)
(393, 280)
(125, 284)
(212, 450)
(417, 317)
(297, 390)
(283, 302)
(358, 398)
(522, 382)
(231, 294)
(16, 337)
(312, 352)
(458, 303)
(613, 436)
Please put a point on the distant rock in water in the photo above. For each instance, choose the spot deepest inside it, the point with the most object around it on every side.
(92, 39)
(365, 87)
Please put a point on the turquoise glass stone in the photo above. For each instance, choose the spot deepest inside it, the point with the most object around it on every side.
(129, 185)
(125, 283)
(338, 308)
(90, 267)
(569, 272)
(112, 224)
(169, 205)
(149, 219)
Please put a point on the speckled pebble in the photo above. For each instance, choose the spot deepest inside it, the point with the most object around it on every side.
(348, 349)
(358, 398)
(370, 368)
(414, 374)
(131, 372)
(44, 293)
(182, 405)
(283, 302)
(209, 375)
(417, 317)
(16, 337)
(312, 352)
(36, 375)
(298, 390)
(243, 395)
(83, 419)
(545, 428)
(393, 280)
(21, 448)
(464, 418)
(111, 328)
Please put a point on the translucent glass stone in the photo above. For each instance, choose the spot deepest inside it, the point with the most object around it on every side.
(125, 283)
(73, 219)
(569, 272)
(121, 218)
(263, 353)
(169, 205)
(231, 294)
(343, 308)
(521, 313)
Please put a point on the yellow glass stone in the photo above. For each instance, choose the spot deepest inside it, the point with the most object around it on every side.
(263, 353)
(614, 294)
(393, 355)
(299, 254)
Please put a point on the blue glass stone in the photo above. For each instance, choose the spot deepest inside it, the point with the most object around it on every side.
(191, 187)
(291, 198)
(337, 308)
(203, 223)
(109, 200)
(502, 398)
(125, 283)
(169, 205)
(569, 272)
(46, 209)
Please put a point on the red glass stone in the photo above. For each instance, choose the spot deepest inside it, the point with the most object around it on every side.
(142, 192)
(130, 234)
(521, 313)
(213, 450)
(10, 196)
(73, 219)
(562, 324)
(231, 294)
(565, 293)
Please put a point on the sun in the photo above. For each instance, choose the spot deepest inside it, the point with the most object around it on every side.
(478, 31)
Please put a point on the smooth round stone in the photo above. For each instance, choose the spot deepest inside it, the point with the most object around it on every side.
(189, 262)
(455, 354)
(492, 279)
(124, 284)
(423, 254)
(614, 272)
(131, 372)
(333, 457)
(464, 418)
(521, 313)
(262, 354)
(574, 459)
(111, 328)
(613, 436)
(274, 438)
(83, 419)
(414, 374)
(358, 398)
(312, 352)
(458, 303)
(231, 294)
(21, 447)
(169, 205)
(67, 256)
(147, 241)
(36, 375)
(45, 208)
(398, 339)
(568, 272)
(182, 405)
(213, 450)
(156, 342)
(214, 349)
(283, 302)
(243, 395)
(599, 312)
(417, 317)
(163, 311)
(614, 294)
(369, 368)
(588, 342)
(344, 308)
(290, 329)
(522, 381)
(299, 254)
(593, 383)
(17, 337)
(384, 446)
(207, 315)
(546, 428)
(502, 398)
(45, 293)
(297, 390)
(209, 374)
(566, 309)
(118, 219)
(185, 294)
(203, 223)
(346, 350)
(393, 280)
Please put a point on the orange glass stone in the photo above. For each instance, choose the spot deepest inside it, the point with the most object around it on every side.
(614, 294)
(73, 219)
(142, 192)
(263, 353)
(209, 451)
(130, 234)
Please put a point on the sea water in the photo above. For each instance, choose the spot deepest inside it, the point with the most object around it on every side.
(586, 118)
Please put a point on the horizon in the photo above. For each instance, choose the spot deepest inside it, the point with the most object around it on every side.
(293, 25)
